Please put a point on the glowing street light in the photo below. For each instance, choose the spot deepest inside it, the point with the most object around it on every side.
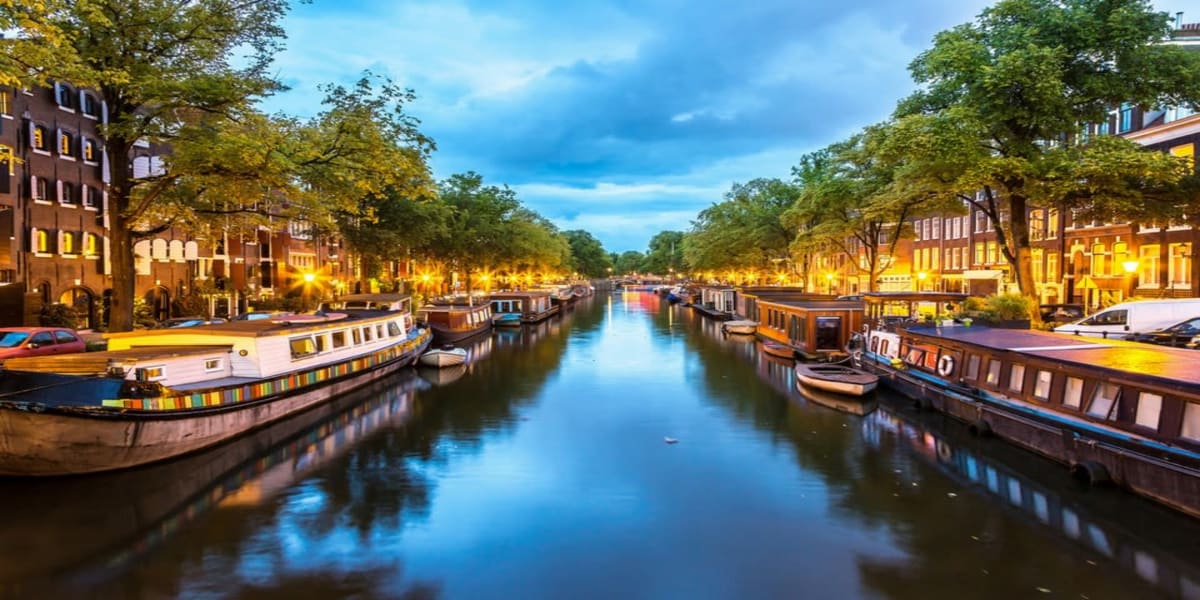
(921, 281)
(829, 283)
(1131, 267)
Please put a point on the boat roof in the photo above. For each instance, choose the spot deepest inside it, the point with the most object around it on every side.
(815, 304)
(454, 307)
(1135, 358)
(521, 294)
(97, 362)
(256, 328)
(880, 297)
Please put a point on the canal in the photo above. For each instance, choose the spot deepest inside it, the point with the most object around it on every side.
(542, 470)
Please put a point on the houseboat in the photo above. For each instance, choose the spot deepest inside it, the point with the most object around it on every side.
(815, 329)
(161, 393)
(452, 323)
(1112, 411)
(530, 306)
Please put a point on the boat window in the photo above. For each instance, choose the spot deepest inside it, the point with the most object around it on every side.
(931, 359)
(393, 329)
(1149, 408)
(913, 357)
(1191, 421)
(829, 333)
(150, 373)
(993, 372)
(379, 331)
(883, 346)
(302, 346)
(973, 367)
(1073, 394)
(1041, 388)
(1016, 378)
(356, 336)
(322, 343)
(339, 339)
(874, 344)
(1104, 400)
(212, 364)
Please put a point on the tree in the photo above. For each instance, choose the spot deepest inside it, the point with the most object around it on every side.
(1004, 97)
(588, 257)
(665, 254)
(160, 67)
(744, 230)
(628, 262)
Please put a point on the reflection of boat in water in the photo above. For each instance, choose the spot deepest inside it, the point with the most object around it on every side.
(443, 375)
(97, 524)
(854, 405)
(1094, 519)
(444, 356)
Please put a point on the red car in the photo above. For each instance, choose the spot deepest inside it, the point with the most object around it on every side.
(38, 341)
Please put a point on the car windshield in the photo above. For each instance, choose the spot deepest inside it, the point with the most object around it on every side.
(1190, 327)
(12, 339)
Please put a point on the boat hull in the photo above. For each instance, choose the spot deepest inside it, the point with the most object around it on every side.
(444, 334)
(850, 384)
(36, 440)
(443, 358)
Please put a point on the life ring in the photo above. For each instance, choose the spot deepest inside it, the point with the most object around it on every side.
(945, 365)
(943, 451)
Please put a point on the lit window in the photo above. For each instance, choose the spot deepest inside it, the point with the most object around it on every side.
(1016, 378)
(212, 364)
(302, 346)
(1148, 410)
(89, 150)
(1041, 388)
(91, 244)
(39, 137)
(993, 372)
(1191, 421)
(64, 144)
(5, 103)
(1104, 400)
(339, 339)
(973, 367)
(41, 241)
(149, 373)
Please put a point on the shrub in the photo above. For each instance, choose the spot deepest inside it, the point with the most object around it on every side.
(58, 315)
(1009, 307)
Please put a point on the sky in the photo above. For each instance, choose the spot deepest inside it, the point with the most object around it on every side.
(623, 118)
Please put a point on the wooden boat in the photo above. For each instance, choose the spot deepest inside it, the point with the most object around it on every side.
(778, 349)
(162, 393)
(531, 306)
(1113, 411)
(740, 326)
(453, 323)
(444, 356)
(815, 329)
(862, 405)
(839, 379)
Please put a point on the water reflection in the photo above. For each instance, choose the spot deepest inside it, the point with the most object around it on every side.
(1119, 538)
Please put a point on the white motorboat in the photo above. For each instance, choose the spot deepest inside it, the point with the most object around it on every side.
(444, 356)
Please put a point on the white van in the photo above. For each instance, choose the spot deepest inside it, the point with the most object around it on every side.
(1120, 320)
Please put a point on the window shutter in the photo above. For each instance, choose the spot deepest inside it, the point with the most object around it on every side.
(58, 93)
(82, 97)
(33, 236)
(104, 112)
(104, 171)
(32, 126)
(33, 187)
(104, 209)
(59, 241)
(58, 140)
(58, 185)
(107, 255)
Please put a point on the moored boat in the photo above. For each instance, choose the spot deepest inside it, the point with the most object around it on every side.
(740, 326)
(453, 323)
(1113, 411)
(530, 306)
(444, 356)
(161, 393)
(778, 349)
(839, 379)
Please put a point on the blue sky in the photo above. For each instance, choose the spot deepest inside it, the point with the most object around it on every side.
(625, 117)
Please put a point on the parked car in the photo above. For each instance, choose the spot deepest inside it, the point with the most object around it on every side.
(177, 322)
(1128, 318)
(1061, 313)
(38, 341)
(1179, 334)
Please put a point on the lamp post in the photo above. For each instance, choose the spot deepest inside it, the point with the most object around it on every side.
(829, 283)
(921, 281)
(1131, 267)
(309, 278)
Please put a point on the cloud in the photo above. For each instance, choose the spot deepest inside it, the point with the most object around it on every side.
(621, 116)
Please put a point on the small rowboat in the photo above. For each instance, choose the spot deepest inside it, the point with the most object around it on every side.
(778, 349)
(836, 378)
(740, 327)
(445, 356)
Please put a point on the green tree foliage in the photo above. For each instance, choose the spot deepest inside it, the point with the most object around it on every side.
(588, 257)
(665, 255)
(743, 231)
(628, 263)
(1003, 98)
(161, 67)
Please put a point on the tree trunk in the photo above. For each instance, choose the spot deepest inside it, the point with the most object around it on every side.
(1022, 259)
(121, 259)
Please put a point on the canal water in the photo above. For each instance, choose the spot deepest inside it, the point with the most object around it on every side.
(543, 470)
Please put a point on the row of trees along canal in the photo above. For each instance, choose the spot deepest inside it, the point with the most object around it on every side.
(188, 77)
(994, 124)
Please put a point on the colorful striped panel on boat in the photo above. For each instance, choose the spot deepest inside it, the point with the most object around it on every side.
(266, 389)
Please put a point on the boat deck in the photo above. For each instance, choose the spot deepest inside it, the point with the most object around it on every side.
(1177, 364)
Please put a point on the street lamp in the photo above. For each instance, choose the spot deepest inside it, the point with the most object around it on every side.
(1131, 267)
(921, 281)
(829, 283)
(309, 278)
